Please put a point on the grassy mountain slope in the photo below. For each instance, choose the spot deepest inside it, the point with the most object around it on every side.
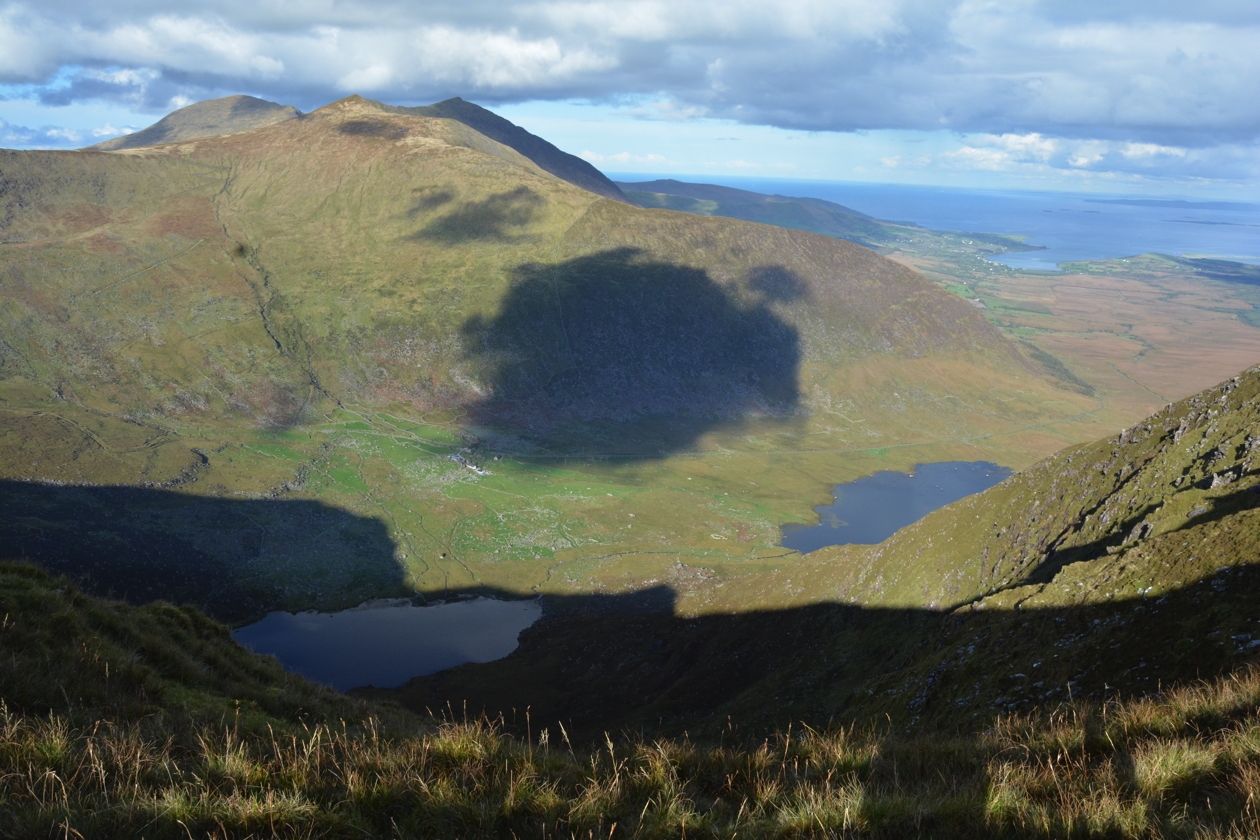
(1116, 566)
(1184, 468)
(348, 308)
(205, 119)
(812, 214)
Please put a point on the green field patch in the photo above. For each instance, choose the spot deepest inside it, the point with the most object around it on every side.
(290, 436)
(348, 477)
(433, 434)
(355, 426)
(276, 451)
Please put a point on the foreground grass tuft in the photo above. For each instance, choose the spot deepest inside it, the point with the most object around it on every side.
(1133, 769)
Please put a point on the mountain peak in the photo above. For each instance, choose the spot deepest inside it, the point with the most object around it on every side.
(211, 118)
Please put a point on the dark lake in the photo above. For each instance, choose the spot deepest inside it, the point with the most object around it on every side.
(387, 644)
(871, 509)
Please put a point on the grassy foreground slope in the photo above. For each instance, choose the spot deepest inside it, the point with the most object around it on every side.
(416, 331)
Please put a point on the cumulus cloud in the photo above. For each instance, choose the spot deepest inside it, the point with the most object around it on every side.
(1158, 75)
(1034, 152)
(49, 136)
(621, 157)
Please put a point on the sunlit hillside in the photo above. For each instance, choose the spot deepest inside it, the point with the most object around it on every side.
(364, 352)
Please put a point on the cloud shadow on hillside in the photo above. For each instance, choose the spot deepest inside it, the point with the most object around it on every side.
(382, 129)
(617, 345)
(496, 218)
(140, 544)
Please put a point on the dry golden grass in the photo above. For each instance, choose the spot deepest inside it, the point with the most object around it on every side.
(1182, 765)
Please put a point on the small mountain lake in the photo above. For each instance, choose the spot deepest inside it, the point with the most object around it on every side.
(384, 644)
(871, 509)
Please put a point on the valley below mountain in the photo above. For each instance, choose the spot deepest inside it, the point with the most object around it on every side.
(388, 322)
(258, 360)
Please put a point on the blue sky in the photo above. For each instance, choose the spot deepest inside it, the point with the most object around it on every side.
(1156, 97)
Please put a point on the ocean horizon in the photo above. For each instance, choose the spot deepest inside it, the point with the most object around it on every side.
(1066, 226)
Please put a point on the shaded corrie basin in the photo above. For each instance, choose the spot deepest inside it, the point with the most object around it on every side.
(234, 558)
(872, 509)
(386, 644)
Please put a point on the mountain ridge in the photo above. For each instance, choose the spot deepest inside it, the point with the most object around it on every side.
(563, 165)
(238, 113)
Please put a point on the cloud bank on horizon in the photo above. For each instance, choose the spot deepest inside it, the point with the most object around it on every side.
(1161, 88)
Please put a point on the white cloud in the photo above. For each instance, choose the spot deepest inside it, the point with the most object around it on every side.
(108, 130)
(1152, 73)
(1150, 150)
(1067, 85)
(666, 109)
(973, 157)
(621, 157)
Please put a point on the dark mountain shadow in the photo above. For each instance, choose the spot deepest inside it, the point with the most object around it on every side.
(236, 559)
(603, 349)
(599, 664)
(491, 219)
(428, 200)
(383, 129)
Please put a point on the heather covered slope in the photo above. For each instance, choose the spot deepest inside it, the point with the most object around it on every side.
(87, 658)
(355, 307)
(205, 119)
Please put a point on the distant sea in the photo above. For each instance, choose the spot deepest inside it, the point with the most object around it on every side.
(1070, 226)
